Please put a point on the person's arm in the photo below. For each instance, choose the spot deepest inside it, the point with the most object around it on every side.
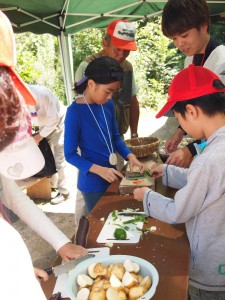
(181, 158)
(35, 218)
(134, 116)
(184, 205)
(71, 141)
(49, 109)
(134, 109)
(174, 140)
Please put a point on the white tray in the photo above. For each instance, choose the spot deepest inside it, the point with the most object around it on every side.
(133, 234)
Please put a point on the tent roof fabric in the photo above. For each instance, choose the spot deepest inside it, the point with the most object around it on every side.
(71, 16)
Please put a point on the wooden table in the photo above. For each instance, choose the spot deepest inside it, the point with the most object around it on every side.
(167, 248)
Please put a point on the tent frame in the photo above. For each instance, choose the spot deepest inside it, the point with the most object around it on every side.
(64, 30)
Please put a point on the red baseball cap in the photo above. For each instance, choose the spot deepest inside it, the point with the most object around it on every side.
(192, 82)
(122, 34)
(8, 58)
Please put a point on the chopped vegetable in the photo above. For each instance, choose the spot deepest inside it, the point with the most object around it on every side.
(109, 245)
(135, 220)
(120, 234)
(115, 215)
(137, 181)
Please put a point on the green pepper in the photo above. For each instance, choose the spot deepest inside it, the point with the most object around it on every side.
(120, 234)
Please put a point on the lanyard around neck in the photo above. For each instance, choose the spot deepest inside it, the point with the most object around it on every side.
(100, 127)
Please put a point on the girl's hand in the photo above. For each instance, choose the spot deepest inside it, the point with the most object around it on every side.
(156, 170)
(40, 274)
(139, 193)
(133, 161)
(71, 251)
(109, 174)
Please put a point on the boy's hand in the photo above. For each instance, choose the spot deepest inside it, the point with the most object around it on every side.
(156, 170)
(139, 193)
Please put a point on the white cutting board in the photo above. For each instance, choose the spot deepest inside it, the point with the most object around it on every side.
(107, 233)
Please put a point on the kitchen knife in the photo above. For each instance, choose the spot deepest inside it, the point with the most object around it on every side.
(132, 214)
(66, 267)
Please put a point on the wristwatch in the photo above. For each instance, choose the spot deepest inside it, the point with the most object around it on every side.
(134, 135)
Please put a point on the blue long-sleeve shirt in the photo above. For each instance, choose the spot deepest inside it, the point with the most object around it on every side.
(81, 130)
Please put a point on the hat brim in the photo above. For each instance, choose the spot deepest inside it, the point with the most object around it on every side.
(166, 110)
(124, 45)
(22, 88)
(23, 163)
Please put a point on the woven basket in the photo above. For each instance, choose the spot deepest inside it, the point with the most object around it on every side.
(143, 146)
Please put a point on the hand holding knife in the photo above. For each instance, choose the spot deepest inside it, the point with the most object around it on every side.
(66, 267)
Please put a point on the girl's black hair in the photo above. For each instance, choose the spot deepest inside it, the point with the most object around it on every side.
(102, 70)
(209, 104)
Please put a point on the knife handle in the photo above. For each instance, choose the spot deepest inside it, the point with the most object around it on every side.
(49, 270)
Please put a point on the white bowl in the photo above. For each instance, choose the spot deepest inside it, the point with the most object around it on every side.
(146, 269)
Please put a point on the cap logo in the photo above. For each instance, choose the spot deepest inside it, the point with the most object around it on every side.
(125, 31)
(16, 170)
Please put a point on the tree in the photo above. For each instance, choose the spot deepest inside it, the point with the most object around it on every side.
(85, 43)
(38, 61)
(155, 63)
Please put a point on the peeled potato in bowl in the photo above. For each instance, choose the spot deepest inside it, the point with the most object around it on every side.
(140, 282)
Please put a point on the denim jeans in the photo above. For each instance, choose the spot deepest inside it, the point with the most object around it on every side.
(91, 199)
(197, 294)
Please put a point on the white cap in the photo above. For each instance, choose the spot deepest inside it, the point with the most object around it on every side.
(22, 157)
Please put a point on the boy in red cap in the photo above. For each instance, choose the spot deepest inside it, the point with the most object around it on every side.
(186, 23)
(197, 100)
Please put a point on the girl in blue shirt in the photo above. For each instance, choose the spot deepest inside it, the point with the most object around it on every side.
(90, 125)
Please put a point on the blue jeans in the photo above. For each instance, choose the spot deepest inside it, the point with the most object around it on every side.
(91, 199)
(197, 294)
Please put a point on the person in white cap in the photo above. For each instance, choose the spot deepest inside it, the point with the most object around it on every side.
(117, 43)
(17, 275)
(51, 114)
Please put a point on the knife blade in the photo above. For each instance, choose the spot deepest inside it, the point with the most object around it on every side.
(66, 267)
(132, 214)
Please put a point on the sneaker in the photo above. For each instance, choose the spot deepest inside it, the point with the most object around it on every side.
(54, 192)
(59, 198)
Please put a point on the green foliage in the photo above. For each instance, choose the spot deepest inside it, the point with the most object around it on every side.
(38, 61)
(85, 43)
(155, 63)
(217, 31)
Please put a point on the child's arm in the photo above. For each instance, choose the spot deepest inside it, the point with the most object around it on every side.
(109, 174)
(133, 161)
(139, 193)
